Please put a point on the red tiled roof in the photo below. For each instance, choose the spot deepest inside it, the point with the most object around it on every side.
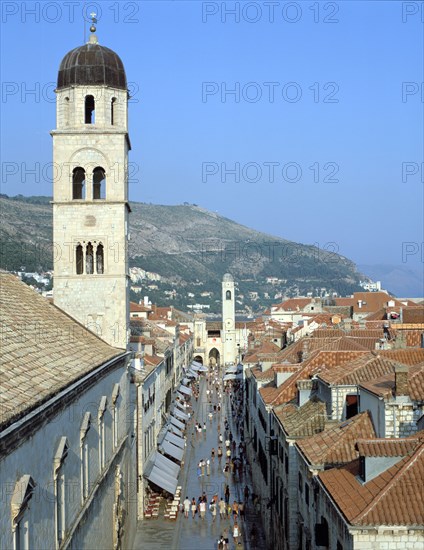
(337, 445)
(395, 497)
(303, 421)
(292, 305)
(385, 385)
(317, 362)
(134, 307)
(388, 447)
(362, 369)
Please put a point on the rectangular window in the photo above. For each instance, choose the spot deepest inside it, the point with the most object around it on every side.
(300, 483)
(60, 506)
(22, 534)
(306, 494)
(85, 478)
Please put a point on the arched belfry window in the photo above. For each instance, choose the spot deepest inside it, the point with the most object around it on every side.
(90, 110)
(79, 260)
(78, 183)
(99, 183)
(89, 259)
(100, 259)
(228, 295)
(113, 111)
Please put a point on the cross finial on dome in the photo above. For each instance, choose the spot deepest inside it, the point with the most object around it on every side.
(93, 37)
(93, 21)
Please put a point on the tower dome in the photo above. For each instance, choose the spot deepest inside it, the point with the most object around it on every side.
(92, 64)
(228, 278)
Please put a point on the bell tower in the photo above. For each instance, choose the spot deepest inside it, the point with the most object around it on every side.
(228, 320)
(90, 191)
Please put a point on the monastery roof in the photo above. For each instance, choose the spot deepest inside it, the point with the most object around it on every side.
(337, 444)
(376, 502)
(43, 349)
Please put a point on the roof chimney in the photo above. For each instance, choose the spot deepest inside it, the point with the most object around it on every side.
(401, 380)
(305, 349)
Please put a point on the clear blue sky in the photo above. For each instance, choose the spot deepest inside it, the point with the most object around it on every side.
(357, 53)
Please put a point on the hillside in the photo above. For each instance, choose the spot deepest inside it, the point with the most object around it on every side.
(186, 245)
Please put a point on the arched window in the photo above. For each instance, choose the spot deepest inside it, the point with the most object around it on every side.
(90, 110)
(60, 488)
(89, 259)
(66, 111)
(113, 111)
(78, 183)
(99, 183)
(99, 259)
(79, 260)
(228, 295)
(22, 494)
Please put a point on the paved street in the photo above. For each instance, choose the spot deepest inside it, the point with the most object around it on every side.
(187, 534)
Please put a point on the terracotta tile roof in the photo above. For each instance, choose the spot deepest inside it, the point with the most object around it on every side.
(388, 447)
(337, 343)
(344, 301)
(43, 349)
(319, 361)
(362, 369)
(134, 307)
(337, 445)
(303, 421)
(413, 315)
(152, 359)
(405, 356)
(385, 385)
(265, 375)
(372, 301)
(377, 501)
(292, 305)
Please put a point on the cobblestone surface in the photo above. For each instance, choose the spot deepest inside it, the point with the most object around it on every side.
(188, 534)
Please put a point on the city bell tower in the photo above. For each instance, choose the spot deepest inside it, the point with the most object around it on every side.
(228, 320)
(90, 191)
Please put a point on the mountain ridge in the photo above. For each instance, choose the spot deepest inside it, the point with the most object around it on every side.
(188, 245)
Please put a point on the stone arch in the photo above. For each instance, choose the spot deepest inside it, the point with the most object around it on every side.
(214, 357)
(198, 358)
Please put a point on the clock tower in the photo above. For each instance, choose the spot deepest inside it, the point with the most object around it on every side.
(228, 320)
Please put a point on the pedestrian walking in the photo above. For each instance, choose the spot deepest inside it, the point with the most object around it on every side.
(202, 509)
(236, 533)
(212, 508)
(225, 537)
(241, 510)
(235, 510)
(186, 507)
(193, 508)
(208, 467)
(221, 506)
(202, 467)
(227, 494)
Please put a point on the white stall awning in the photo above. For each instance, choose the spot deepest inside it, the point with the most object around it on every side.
(172, 450)
(231, 370)
(196, 364)
(229, 377)
(160, 478)
(180, 414)
(167, 465)
(202, 368)
(185, 390)
(177, 422)
(186, 381)
(175, 440)
(173, 429)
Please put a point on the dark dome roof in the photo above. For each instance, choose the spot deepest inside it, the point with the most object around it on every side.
(92, 64)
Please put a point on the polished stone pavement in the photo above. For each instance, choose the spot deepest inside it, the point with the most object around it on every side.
(188, 534)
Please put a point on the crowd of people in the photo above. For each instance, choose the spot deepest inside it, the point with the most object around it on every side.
(224, 402)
